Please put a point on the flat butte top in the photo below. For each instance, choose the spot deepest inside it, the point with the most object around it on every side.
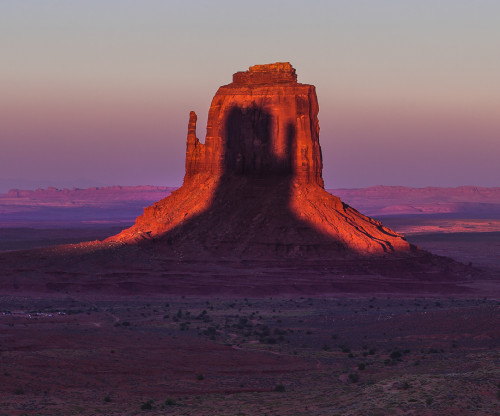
(279, 72)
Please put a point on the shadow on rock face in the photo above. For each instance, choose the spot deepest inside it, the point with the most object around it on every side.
(249, 145)
(254, 210)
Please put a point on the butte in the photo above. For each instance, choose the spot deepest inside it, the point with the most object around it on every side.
(252, 218)
(254, 189)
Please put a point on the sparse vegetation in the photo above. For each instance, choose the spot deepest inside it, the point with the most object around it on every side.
(353, 359)
(395, 355)
(353, 377)
(147, 405)
(170, 402)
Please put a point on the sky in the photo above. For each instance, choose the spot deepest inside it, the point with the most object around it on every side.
(98, 92)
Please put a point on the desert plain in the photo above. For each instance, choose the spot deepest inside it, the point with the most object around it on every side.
(300, 343)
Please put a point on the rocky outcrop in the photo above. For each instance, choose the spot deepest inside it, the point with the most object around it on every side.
(254, 188)
(263, 123)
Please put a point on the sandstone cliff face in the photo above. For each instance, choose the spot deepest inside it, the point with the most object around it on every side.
(254, 189)
(263, 123)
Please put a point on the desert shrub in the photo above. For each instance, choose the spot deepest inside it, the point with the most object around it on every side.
(395, 355)
(353, 377)
(19, 391)
(147, 405)
(279, 387)
(210, 331)
(362, 366)
(429, 401)
(170, 402)
(107, 399)
(265, 331)
(200, 377)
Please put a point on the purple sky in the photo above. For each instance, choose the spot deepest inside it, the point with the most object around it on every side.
(99, 92)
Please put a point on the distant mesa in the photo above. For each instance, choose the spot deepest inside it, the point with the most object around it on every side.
(254, 188)
(90, 195)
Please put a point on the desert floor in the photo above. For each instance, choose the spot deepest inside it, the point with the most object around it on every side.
(70, 353)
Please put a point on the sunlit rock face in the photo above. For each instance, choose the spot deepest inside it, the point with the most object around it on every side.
(264, 122)
(254, 189)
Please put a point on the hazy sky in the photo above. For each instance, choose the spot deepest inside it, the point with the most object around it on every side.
(98, 92)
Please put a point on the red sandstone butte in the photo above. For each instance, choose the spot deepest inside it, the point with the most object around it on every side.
(255, 187)
(254, 119)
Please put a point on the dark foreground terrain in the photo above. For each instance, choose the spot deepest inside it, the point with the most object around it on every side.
(79, 342)
(114, 346)
(278, 356)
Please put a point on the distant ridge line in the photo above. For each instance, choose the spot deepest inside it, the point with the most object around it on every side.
(468, 188)
(380, 200)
